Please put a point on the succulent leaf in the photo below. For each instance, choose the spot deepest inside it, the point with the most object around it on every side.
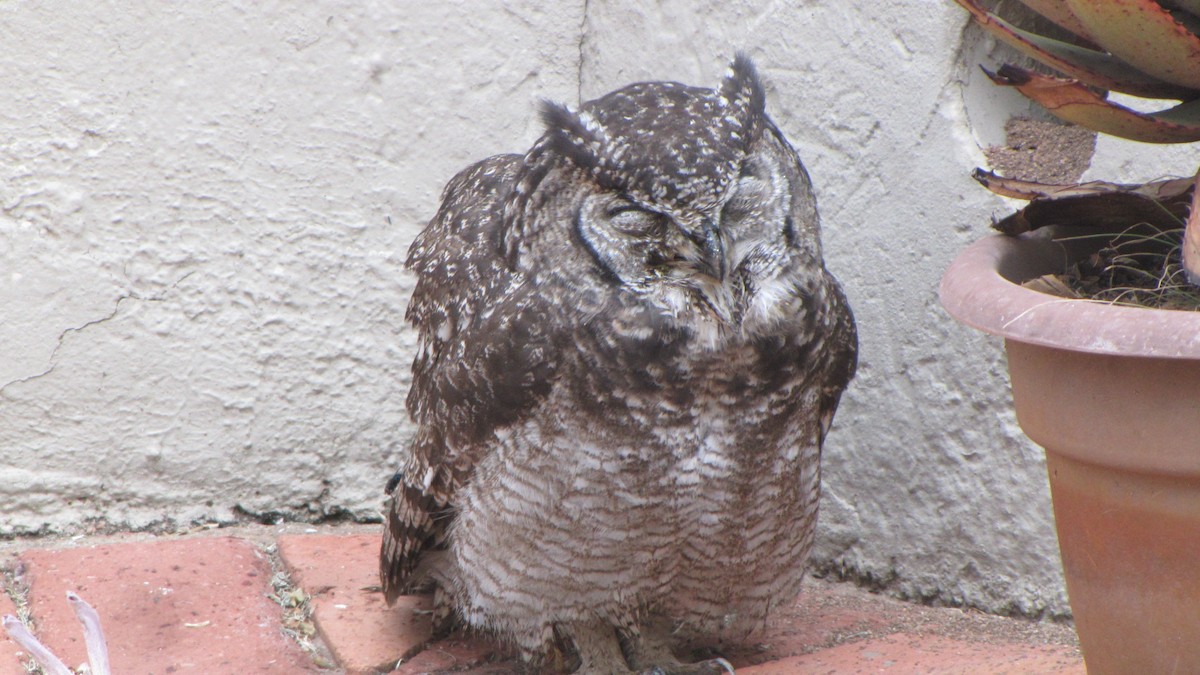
(1190, 6)
(1145, 35)
(1159, 205)
(1092, 67)
(1070, 101)
(1142, 47)
(1187, 19)
(1167, 190)
(1059, 14)
(1191, 238)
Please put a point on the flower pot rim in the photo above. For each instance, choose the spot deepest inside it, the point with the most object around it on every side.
(981, 288)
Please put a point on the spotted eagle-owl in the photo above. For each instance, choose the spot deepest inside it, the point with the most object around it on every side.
(630, 353)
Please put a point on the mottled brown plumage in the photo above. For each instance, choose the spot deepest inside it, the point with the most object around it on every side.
(630, 354)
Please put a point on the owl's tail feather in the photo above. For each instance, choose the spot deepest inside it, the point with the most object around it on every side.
(415, 524)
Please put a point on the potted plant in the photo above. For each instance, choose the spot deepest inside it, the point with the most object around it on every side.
(1110, 388)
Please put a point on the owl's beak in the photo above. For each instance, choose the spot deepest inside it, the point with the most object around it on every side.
(711, 261)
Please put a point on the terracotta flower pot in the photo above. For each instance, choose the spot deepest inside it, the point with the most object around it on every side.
(1113, 395)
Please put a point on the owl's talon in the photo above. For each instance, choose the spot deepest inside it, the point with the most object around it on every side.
(717, 666)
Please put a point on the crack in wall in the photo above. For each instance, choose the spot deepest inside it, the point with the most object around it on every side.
(583, 24)
(52, 360)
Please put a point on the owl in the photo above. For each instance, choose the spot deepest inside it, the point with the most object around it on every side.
(630, 353)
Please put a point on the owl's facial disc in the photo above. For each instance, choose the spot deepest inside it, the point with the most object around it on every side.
(635, 242)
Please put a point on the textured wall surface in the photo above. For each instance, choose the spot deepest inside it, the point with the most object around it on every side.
(205, 212)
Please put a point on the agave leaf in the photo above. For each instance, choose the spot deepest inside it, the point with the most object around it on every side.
(1143, 34)
(1059, 14)
(1189, 21)
(1191, 238)
(1014, 188)
(1100, 205)
(1161, 205)
(1087, 65)
(1072, 102)
(1165, 190)
(1106, 211)
(1190, 6)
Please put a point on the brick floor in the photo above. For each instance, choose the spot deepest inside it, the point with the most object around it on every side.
(11, 655)
(167, 606)
(203, 604)
(341, 573)
(453, 654)
(911, 653)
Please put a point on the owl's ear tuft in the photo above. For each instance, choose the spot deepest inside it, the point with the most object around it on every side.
(573, 134)
(742, 90)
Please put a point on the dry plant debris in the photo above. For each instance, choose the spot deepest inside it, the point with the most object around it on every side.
(1137, 270)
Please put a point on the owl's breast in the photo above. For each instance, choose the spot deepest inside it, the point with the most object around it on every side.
(643, 372)
(697, 472)
(674, 474)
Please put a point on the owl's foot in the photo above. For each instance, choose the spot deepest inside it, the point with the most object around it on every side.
(597, 648)
(443, 617)
(716, 666)
(648, 652)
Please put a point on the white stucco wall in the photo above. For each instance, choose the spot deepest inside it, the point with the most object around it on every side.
(205, 209)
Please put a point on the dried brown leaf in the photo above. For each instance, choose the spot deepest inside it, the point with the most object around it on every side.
(1052, 284)
(1073, 102)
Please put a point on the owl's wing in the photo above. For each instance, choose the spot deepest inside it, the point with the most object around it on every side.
(483, 361)
(843, 355)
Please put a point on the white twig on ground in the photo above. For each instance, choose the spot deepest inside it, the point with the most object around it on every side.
(93, 637)
(38, 651)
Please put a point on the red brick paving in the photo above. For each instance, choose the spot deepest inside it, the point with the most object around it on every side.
(173, 605)
(341, 574)
(10, 652)
(909, 653)
(453, 654)
(202, 604)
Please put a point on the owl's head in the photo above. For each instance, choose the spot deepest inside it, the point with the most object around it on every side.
(666, 188)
